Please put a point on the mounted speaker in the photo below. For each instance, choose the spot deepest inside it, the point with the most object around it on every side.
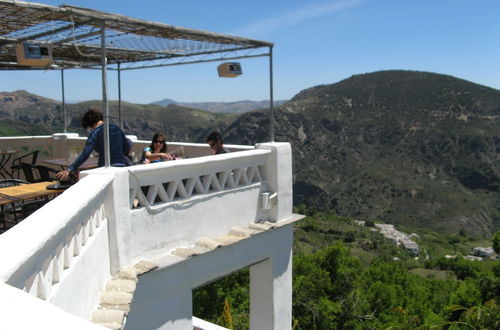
(229, 69)
(34, 54)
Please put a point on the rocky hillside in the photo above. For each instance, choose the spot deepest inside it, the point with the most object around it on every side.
(21, 112)
(411, 148)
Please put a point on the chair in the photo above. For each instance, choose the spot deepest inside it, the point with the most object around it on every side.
(11, 182)
(16, 163)
(28, 207)
(10, 209)
(44, 173)
(28, 172)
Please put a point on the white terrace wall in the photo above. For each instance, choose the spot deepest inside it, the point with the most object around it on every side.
(179, 202)
(61, 252)
(62, 145)
(174, 204)
(65, 252)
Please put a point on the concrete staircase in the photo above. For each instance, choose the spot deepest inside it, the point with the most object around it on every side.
(115, 301)
(236, 234)
(117, 297)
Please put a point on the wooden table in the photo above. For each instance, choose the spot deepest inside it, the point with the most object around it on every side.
(21, 201)
(91, 162)
(4, 159)
(23, 192)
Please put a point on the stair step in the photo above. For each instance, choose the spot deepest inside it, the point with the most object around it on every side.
(121, 285)
(127, 274)
(144, 266)
(108, 316)
(186, 252)
(242, 232)
(116, 300)
(229, 239)
(208, 243)
(261, 226)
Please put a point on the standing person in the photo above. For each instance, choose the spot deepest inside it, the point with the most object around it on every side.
(119, 145)
(157, 150)
(216, 144)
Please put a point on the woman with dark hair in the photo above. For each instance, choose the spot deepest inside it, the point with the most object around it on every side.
(119, 145)
(157, 150)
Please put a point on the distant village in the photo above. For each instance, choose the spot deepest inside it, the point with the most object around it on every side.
(406, 242)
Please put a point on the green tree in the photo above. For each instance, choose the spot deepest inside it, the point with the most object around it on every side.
(383, 297)
(496, 242)
(486, 316)
(467, 294)
(311, 288)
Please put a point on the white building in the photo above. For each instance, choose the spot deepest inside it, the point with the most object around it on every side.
(473, 258)
(410, 246)
(197, 219)
(398, 237)
(125, 247)
(483, 251)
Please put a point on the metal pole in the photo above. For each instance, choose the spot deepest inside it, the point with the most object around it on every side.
(119, 98)
(65, 115)
(271, 98)
(107, 161)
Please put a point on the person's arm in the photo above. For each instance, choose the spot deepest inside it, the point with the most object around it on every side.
(152, 156)
(87, 150)
(127, 144)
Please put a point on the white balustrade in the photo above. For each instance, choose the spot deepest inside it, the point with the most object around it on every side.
(65, 252)
(172, 181)
(52, 272)
(49, 251)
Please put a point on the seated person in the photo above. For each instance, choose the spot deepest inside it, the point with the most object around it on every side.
(157, 151)
(216, 144)
(119, 145)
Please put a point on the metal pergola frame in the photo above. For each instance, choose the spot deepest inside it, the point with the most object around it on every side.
(91, 39)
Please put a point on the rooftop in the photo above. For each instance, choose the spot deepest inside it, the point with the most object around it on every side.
(77, 36)
(72, 252)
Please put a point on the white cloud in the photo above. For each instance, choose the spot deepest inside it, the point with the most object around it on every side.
(298, 15)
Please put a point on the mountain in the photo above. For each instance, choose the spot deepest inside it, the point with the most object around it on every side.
(412, 148)
(164, 102)
(178, 123)
(222, 107)
(405, 147)
(22, 112)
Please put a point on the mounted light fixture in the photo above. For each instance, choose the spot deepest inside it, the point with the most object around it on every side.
(34, 53)
(229, 69)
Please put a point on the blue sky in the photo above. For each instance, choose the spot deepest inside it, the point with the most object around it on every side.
(316, 42)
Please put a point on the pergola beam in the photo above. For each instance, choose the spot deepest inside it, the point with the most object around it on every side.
(123, 40)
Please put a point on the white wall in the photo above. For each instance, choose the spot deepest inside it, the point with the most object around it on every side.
(67, 251)
(163, 298)
(60, 253)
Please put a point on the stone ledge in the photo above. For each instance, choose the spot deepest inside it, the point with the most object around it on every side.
(121, 285)
(108, 316)
(116, 298)
(144, 266)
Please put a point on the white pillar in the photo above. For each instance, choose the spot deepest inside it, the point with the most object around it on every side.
(118, 214)
(271, 289)
(60, 144)
(278, 178)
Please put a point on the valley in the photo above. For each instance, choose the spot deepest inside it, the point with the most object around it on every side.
(409, 148)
